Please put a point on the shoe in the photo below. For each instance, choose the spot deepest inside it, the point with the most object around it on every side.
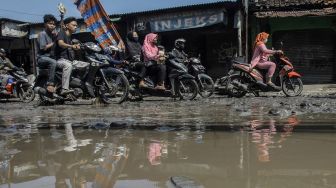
(51, 89)
(142, 84)
(66, 91)
(273, 86)
(160, 87)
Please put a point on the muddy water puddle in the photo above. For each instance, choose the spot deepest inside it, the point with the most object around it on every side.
(262, 155)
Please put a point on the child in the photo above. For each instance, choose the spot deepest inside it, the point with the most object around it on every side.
(162, 56)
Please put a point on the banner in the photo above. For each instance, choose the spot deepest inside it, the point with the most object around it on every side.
(98, 22)
(187, 21)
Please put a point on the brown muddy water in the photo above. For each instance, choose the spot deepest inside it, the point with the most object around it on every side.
(261, 155)
(266, 142)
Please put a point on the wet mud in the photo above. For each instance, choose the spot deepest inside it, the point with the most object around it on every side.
(216, 111)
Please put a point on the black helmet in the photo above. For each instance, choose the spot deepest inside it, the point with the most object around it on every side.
(180, 43)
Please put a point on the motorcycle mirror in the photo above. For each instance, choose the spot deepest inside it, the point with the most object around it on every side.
(199, 56)
(281, 44)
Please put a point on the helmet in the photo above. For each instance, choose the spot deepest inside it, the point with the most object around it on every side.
(179, 43)
(114, 48)
(2, 51)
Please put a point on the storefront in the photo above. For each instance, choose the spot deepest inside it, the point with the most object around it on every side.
(14, 39)
(211, 31)
(309, 38)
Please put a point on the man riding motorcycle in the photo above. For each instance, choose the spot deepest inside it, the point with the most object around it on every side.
(65, 54)
(46, 56)
(177, 53)
(5, 63)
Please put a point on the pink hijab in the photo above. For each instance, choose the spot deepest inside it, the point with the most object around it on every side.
(149, 49)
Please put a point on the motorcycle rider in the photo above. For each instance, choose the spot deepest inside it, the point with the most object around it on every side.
(65, 52)
(151, 57)
(46, 56)
(178, 51)
(134, 55)
(260, 58)
(5, 62)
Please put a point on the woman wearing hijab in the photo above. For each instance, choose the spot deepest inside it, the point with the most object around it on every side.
(134, 55)
(260, 58)
(151, 56)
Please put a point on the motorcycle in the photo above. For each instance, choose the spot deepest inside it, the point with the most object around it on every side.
(118, 85)
(205, 83)
(19, 86)
(87, 82)
(243, 81)
(180, 83)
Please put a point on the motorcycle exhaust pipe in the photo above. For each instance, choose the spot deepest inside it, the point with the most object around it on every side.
(240, 86)
(262, 85)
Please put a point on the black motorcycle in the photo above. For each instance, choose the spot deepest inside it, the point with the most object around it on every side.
(118, 85)
(88, 82)
(21, 86)
(206, 85)
(180, 83)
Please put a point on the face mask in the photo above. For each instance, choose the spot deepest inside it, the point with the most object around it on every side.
(136, 39)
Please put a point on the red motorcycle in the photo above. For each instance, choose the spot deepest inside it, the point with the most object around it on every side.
(242, 81)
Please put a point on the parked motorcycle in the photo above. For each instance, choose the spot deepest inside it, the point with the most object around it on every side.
(206, 85)
(180, 83)
(20, 86)
(87, 82)
(243, 81)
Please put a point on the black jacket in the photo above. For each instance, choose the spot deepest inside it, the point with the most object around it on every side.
(179, 56)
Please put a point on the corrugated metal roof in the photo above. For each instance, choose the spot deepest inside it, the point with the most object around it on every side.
(280, 4)
(219, 2)
(281, 14)
(11, 20)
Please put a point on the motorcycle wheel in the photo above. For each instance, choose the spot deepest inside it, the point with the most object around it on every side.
(206, 85)
(292, 87)
(26, 93)
(117, 89)
(187, 89)
(232, 88)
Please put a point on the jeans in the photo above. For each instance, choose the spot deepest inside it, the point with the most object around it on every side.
(48, 63)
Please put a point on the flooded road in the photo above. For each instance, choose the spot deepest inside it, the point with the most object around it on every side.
(243, 143)
(162, 111)
(264, 156)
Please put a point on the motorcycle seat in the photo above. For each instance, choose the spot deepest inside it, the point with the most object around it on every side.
(43, 72)
(240, 62)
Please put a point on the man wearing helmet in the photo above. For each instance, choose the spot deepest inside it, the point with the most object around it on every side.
(5, 62)
(179, 55)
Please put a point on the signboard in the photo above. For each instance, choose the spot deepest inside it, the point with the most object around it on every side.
(180, 21)
(10, 29)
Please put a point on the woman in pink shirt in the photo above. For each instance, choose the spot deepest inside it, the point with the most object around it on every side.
(151, 56)
(260, 58)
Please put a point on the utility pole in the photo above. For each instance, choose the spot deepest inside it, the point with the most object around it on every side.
(246, 5)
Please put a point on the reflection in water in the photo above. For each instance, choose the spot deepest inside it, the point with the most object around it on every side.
(263, 135)
(267, 156)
